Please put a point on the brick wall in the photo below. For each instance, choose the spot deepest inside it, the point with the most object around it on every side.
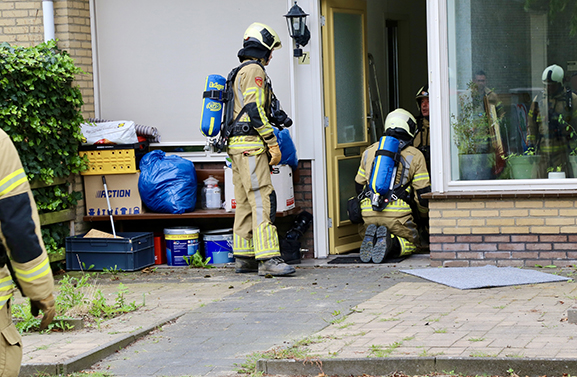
(21, 22)
(540, 229)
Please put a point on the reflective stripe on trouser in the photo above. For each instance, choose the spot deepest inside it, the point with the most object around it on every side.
(10, 345)
(252, 219)
(407, 247)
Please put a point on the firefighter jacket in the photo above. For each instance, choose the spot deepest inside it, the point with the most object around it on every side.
(548, 119)
(411, 171)
(252, 94)
(20, 234)
(423, 137)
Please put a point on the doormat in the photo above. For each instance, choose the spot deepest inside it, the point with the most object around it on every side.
(483, 277)
(357, 260)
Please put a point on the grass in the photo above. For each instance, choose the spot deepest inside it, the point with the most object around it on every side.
(295, 352)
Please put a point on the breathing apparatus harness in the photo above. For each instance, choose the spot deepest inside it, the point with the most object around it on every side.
(231, 126)
(381, 188)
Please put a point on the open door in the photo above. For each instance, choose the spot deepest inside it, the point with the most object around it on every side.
(345, 69)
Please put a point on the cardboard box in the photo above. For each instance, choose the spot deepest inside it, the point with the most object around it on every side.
(282, 181)
(122, 192)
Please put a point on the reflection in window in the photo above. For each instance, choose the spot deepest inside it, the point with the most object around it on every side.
(513, 76)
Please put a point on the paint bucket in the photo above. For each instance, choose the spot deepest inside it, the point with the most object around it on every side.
(218, 246)
(180, 242)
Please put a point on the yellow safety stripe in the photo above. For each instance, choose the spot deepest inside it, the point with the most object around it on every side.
(397, 206)
(373, 183)
(4, 299)
(421, 177)
(12, 181)
(406, 246)
(552, 148)
(36, 273)
(266, 244)
(241, 246)
(6, 284)
(361, 172)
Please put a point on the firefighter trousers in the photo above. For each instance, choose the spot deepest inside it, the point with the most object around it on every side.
(10, 344)
(255, 236)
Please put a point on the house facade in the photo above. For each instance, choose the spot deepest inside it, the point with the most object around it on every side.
(147, 61)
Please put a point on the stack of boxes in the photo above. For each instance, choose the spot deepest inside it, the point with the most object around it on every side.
(119, 165)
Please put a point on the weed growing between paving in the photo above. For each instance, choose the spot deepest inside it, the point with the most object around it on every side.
(294, 352)
(77, 297)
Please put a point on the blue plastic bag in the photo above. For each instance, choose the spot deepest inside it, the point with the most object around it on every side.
(287, 148)
(167, 184)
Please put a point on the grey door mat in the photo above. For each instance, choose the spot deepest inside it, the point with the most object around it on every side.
(357, 260)
(483, 277)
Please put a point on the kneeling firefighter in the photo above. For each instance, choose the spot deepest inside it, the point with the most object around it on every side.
(392, 178)
(252, 147)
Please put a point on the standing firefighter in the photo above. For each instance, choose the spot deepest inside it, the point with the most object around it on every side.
(422, 139)
(390, 228)
(23, 258)
(252, 147)
(551, 118)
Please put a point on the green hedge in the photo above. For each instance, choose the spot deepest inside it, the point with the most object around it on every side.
(40, 110)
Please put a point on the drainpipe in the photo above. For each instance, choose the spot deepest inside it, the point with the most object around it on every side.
(48, 12)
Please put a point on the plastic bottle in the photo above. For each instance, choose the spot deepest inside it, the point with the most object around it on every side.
(211, 194)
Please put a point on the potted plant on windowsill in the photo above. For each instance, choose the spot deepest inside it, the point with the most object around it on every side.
(472, 136)
(555, 172)
(524, 166)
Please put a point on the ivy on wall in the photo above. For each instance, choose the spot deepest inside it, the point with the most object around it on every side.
(40, 110)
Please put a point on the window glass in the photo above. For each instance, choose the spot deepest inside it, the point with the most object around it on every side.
(513, 79)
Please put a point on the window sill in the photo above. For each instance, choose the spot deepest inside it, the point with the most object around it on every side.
(542, 194)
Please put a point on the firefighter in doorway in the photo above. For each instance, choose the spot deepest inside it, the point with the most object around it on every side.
(252, 147)
(389, 228)
(23, 259)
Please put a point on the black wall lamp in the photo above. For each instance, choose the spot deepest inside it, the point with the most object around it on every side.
(296, 20)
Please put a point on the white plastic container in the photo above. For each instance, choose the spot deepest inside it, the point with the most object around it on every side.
(210, 197)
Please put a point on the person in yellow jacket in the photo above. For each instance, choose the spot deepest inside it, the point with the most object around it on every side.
(552, 118)
(422, 140)
(392, 232)
(253, 147)
(23, 258)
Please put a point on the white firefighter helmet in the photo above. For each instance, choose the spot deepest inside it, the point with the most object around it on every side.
(552, 74)
(401, 119)
(264, 35)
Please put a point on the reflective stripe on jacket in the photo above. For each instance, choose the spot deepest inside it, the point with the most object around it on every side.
(20, 230)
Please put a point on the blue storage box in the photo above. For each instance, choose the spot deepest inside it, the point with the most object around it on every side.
(132, 252)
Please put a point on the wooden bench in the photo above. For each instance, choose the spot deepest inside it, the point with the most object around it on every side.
(154, 219)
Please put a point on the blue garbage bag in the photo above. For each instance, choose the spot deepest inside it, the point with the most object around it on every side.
(287, 148)
(167, 184)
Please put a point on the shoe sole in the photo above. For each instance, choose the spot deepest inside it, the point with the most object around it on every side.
(244, 271)
(380, 248)
(276, 274)
(368, 243)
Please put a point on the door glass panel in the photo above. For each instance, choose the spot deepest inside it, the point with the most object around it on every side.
(350, 85)
(347, 171)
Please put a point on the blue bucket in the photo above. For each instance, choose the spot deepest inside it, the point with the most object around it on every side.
(218, 246)
(180, 242)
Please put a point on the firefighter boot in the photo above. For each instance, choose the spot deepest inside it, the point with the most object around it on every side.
(244, 265)
(368, 243)
(382, 245)
(275, 267)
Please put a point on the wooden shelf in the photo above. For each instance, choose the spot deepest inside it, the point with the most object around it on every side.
(197, 214)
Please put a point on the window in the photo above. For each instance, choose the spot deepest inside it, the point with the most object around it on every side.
(505, 122)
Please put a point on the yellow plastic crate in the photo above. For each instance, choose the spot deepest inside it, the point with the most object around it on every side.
(115, 161)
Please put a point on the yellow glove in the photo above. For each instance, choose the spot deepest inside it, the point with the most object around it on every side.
(275, 154)
(47, 307)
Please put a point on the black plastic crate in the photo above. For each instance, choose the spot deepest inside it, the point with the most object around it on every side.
(132, 252)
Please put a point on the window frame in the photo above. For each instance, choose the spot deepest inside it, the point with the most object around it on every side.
(438, 47)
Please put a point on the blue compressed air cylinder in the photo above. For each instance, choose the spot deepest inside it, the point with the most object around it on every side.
(384, 165)
(212, 109)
